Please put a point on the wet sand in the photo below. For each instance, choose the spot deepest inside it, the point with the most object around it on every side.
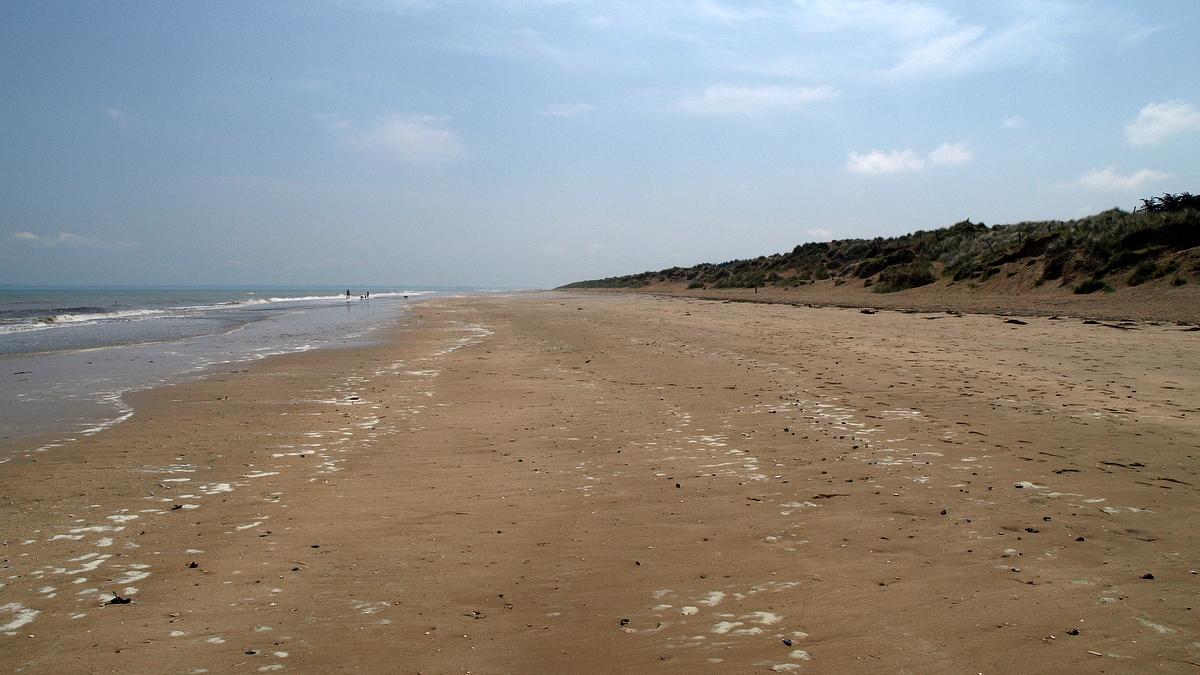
(558, 482)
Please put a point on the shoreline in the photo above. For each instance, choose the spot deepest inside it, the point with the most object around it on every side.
(602, 482)
(124, 369)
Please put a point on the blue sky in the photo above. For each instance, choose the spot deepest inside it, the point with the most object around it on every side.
(508, 143)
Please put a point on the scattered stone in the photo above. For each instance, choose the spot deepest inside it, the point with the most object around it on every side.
(118, 600)
(1073, 631)
(1147, 575)
(1016, 322)
(193, 565)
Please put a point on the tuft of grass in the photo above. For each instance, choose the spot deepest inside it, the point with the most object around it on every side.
(901, 277)
(696, 284)
(1091, 286)
(1178, 281)
(1144, 272)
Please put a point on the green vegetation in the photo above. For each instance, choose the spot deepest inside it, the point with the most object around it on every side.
(900, 277)
(1169, 202)
(1150, 243)
(1091, 286)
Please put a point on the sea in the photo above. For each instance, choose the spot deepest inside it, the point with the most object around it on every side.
(68, 356)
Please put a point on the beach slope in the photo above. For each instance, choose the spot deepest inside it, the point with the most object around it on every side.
(557, 482)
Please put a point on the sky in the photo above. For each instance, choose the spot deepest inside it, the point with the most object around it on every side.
(508, 143)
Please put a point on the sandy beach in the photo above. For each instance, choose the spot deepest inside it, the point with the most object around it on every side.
(588, 482)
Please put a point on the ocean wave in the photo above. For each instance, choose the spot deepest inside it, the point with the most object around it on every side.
(76, 318)
(83, 315)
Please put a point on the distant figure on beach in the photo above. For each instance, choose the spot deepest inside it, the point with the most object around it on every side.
(347, 292)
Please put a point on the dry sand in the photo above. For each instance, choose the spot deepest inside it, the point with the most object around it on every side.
(1018, 296)
(623, 483)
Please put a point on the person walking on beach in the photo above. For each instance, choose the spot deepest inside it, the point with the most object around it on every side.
(347, 292)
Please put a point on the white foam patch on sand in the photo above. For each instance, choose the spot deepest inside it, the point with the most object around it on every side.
(130, 577)
(22, 616)
(1159, 628)
(96, 528)
(713, 599)
(763, 618)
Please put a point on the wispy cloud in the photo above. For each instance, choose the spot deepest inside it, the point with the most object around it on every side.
(878, 162)
(416, 139)
(72, 240)
(1108, 179)
(820, 233)
(824, 40)
(508, 42)
(889, 39)
(1138, 34)
(118, 117)
(1156, 122)
(951, 153)
(1012, 122)
(727, 99)
(566, 109)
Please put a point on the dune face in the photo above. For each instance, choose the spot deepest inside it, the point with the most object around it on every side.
(1116, 264)
(554, 482)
